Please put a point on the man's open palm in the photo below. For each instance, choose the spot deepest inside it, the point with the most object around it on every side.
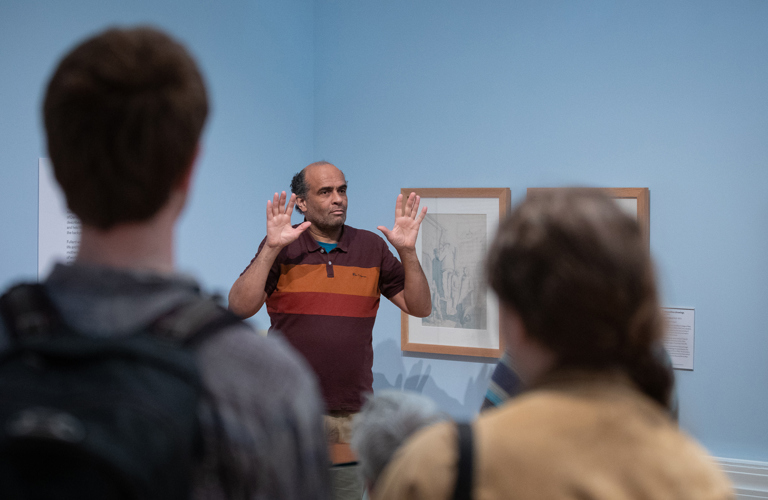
(407, 222)
(279, 230)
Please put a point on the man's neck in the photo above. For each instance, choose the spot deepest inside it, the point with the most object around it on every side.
(146, 245)
(127, 247)
(326, 235)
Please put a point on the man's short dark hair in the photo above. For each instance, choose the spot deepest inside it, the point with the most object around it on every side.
(299, 186)
(123, 114)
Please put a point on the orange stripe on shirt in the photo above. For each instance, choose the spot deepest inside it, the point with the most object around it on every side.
(322, 304)
(347, 280)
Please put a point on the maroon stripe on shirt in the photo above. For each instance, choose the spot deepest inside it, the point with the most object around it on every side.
(322, 304)
(339, 351)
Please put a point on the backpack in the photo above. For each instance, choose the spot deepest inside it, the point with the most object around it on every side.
(97, 417)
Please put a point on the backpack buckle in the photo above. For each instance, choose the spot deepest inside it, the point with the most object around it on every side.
(46, 423)
(33, 324)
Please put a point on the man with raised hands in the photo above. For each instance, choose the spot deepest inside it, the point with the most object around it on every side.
(322, 281)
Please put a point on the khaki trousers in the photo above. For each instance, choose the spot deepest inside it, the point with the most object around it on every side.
(345, 479)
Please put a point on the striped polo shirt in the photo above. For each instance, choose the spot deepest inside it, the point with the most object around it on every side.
(325, 305)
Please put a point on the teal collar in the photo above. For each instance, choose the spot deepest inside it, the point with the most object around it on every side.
(328, 246)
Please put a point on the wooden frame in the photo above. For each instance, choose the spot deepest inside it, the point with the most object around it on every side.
(453, 240)
(641, 197)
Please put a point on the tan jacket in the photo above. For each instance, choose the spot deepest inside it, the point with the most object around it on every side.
(576, 436)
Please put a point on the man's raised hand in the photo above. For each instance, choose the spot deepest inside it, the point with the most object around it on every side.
(279, 230)
(407, 221)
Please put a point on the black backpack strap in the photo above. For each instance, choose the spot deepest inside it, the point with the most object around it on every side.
(463, 489)
(193, 322)
(28, 311)
(190, 324)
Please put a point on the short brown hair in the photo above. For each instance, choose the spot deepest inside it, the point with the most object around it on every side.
(123, 114)
(578, 272)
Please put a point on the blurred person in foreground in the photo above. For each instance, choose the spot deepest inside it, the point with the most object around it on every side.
(580, 317)
(124, 112)
(385, 421)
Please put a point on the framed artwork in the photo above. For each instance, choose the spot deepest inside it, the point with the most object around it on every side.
(634, 201)
(453, 240)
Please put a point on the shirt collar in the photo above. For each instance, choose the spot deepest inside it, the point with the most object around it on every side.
(310, 245)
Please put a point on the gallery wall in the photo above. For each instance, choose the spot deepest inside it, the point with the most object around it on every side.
(257, 60)
(672, 96)
(462, 94)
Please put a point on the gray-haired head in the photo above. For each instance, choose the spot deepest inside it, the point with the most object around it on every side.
(385, 422)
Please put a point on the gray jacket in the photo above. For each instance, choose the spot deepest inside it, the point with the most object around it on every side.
(265, 394)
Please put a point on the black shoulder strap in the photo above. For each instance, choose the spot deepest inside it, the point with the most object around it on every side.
(192, 322)
(463, 489)
(28, 311)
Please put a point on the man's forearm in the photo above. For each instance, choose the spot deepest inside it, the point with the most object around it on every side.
(416, 291)
(247, 295)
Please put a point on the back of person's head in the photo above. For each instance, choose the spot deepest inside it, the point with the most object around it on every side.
(578, 272)
(384, 423)
(123, 114)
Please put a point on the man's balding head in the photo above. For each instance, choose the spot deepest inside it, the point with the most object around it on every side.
(299, 184)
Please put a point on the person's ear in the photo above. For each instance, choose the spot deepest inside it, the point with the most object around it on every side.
(301, 203)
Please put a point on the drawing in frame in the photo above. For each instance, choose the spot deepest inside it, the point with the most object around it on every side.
(453, 240)
(634, 201)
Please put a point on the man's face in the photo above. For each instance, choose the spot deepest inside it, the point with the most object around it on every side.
(325, 205)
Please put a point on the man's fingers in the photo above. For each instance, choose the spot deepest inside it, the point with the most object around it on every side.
(384, 230)
(275, 205)
(291, 203)
(408, 205)
(281, 202)
(421, 215)
(414, 205)
(399, 205)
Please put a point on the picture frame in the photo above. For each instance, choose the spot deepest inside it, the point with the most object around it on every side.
(453, 240)
(633, 200)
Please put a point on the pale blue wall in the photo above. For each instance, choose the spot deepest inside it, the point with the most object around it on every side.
(667, 95)
(257, 60)
(451, 94)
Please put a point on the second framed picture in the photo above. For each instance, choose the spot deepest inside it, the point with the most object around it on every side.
(634, 201)
(452, 243)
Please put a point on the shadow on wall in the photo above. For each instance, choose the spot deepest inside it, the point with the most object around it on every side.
(419, 380)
